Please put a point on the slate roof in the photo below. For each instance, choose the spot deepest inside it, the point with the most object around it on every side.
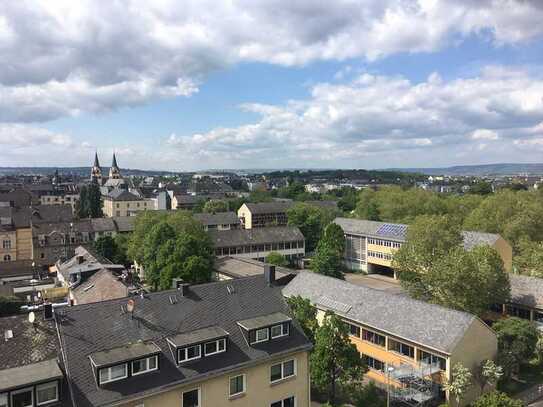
(239, 267)
(103, 224)
(29, 345)
(427, 324)
(16, 268)
(269, 207)
(40, 214)
(101, 286)
(124, 353)
(527, 291)
(122, 195)
(373, 228)
(124, 223)
(238, 237)
(87, 329)
(218, 218)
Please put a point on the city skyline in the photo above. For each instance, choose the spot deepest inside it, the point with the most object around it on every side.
(271, 85)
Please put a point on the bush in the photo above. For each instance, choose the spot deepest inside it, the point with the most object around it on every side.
(497, 399)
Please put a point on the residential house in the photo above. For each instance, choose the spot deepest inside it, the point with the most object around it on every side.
(370, 245)
(411, 344)
(216, 344)
(120, 202)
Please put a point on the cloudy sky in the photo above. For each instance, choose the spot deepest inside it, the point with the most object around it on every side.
(182, 85)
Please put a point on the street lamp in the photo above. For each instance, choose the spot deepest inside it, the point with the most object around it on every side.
(390, 369)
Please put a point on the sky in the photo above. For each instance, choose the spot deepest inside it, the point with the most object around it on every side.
(192, 85)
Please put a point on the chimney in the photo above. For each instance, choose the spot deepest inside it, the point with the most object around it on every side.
(269, 273)
(181, 286)
(47, 311)
(80, 259)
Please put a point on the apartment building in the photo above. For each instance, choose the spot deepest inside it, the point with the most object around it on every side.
(120, 202)
(409, 343)
(225, 343)
(61, 198)
(370, 245)
(258, 243)
(218, 220)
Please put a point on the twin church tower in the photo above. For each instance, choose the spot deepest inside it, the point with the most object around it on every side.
(114, 172)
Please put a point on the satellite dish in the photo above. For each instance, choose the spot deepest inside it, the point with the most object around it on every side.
(31, 317)
(130, 305)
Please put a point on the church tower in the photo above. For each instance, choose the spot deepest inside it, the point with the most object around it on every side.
(114, 171)
(96, 172)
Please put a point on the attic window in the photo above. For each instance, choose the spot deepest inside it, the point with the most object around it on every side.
(113, 373)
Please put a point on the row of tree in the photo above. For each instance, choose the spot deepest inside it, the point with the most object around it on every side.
(515, 215)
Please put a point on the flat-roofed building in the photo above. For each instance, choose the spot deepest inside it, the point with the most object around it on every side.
(216, 344)
(258, 243)
(418, 341)
(228, 268)
(218, 220)
(370, 245)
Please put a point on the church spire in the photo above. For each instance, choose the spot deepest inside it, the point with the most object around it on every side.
(114, 171)
(114, 163)
(96, 171)
(96, 162)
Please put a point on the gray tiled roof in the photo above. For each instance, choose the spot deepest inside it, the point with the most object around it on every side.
(238, 267)
(24, 375)
(122, 195)
(269, 207)
(90, 328)
(200, 335)
(125, 223)
(264, 320)
(527, 291)
(427, 324)
(237, 237)
(103, 225)
(219, 218)
(124, 353)
(371, 228)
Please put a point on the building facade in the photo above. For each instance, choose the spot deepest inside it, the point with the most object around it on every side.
(120, 202)
(370, 245)
(259, 243)
(218, 221)
(410, 344)
(263, 214)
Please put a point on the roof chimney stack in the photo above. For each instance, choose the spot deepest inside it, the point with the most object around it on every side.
(269, 273)
(181, 286)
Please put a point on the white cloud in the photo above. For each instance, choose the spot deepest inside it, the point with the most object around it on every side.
(60, 58)
(375, 119)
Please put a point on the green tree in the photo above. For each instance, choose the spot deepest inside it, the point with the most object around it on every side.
(434, 266)
(327, 262)
(460, 382)
(497, 399)
(90, 202)
(277, 259)
(81, 206)
(369, 396)
(10, 306)
(311, 220)
(517, 340)
(366, 206)
(488, 373)
(105, 246)
(334, 238)
(121, 249)
(334, 360)
(306, 315)
(214, 206)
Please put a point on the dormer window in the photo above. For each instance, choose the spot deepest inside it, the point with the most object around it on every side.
(197, 344)
(130, 360)
(266, 327)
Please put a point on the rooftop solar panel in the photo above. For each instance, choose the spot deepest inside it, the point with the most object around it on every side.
(391, 230)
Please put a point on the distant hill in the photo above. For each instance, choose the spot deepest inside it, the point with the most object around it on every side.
(82, 171)
(479, 170)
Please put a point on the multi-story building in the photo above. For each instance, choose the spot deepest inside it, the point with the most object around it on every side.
(258, 243)
(263, 214)
(370, 245)
(61, 198)
(412, 345)
(120, 202)
(218, 220)
(225, 343)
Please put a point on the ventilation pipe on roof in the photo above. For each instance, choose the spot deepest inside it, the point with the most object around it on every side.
(269, 273)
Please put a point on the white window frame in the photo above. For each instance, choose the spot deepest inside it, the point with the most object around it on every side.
(185, 351)
(109, 374)
(284, 330)
(283, 377)
(282, 401)
(243, 391)
(48, 384)
(26, 389)
(216, 342)
(199, 396)
(147, 363)
(4, 399)
(267, 330)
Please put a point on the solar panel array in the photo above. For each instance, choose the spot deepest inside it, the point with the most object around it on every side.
(391, 230)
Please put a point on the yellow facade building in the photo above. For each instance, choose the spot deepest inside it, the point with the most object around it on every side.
(370, 245)
(409, 344)
(120, 202)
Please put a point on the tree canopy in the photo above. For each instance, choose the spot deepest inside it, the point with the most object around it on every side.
(311, 220)
(306, 315)
(497, 399)
(277, 259)
(90, 202)
(433, 265)
(171, 245)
